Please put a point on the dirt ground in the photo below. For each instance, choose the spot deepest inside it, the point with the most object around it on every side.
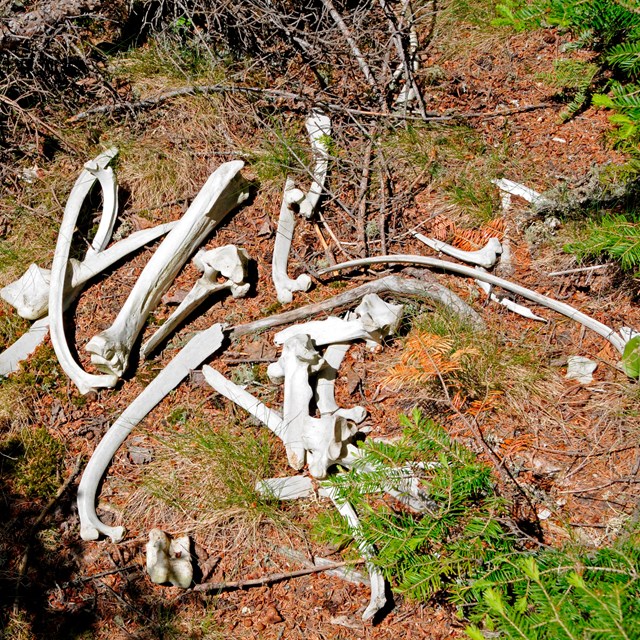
(571, 446)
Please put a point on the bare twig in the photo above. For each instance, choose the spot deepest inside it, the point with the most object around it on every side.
(580, 269)
(361, 223)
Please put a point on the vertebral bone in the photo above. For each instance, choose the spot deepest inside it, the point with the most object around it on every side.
(485, 257)
(169, 559)
(228, 261)
(198, 349)
(223, 191)
(84, 381)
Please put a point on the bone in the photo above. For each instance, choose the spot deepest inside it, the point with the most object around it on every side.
(224, 191)
(30, 293)
(324, 440)
(198, 349)
(517, 189)
(485, 257)
(298, 360)
(109, 188)
(169, 559)
(227, 261)
(521, 310)
(378, 598)
(285, 286)
(23, 347)
(288, 488)
(84, 381)
(318, 128)
(615, 339)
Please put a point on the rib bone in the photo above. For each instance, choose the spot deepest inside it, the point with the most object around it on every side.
(198, 349)
(485, 257)
(223, 191)
(318, 128)
(228, 261)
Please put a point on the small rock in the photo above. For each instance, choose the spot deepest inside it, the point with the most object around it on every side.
(272, 616)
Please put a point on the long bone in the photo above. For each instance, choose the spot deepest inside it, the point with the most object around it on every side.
(109, 188)
(485, 257)
(617, 341)
(285, 286)
(224, 191)
(30, 293)
(196, 351)
(84, 381)
(227, 261)
(319, 129)
(299, 358)
(517, 189)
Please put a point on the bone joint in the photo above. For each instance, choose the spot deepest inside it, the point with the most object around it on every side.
(197, 350)
(228, 262)
(485, 257)
(224, 191)
(84, 381)
(169, 559)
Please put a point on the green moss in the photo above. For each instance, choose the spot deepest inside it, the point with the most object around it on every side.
(37, 473)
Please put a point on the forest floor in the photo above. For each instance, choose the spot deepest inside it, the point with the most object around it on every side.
(572, 447)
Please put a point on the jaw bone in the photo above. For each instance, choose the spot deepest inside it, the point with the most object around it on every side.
(198, 349)
(223, 191)
(229, 262)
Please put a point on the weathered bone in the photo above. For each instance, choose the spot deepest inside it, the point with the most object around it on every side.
(517, 189)
(485, 257)
(319, 129)
(169, 559)
(509, 304)
(381, 319)
(618, 341)
(23, 347)
(197, 350)
(84, 381)
(109, 188)
(298, 360)
(378, 597)
(30, 293)
(324, 440)
(228, 261)
(223, 191)
(285, 286)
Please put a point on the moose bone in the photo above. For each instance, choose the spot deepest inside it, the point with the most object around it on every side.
(378, 596)
(30, 293)
(109, 187)
(299, 358)
(196, 351)
(615, 339)
(324, 440)
(23, 347)
(285, 286)
(224, 191)
(169, 559)
(319, 129)
(517, 189)
(228, 261)
(521, 310)
(485, 257)
(84, 381)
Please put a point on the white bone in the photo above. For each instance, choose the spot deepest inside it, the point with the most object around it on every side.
(223, 191)
(298, 360)
(228, 261)
(581, 369)
(324, 391)
(381, 319)
(84, 381)
(30, 293)
(616, 340)
(485, 257)
(198, 349)
(378, 598)
(169, 559)
(287, 488)
(517, 189)
(509, 304)
(318, 128)
(109, 188)
(285, 286)
(23, 347)
(324, 440)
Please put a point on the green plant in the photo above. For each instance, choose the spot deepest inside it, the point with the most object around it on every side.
(631, 358)
(38, 470)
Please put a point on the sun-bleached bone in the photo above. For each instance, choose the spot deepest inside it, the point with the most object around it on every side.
(109, 187)
(324, 440)
(378, 597)
(196, 351)
(319, 129)
(485, 257)
(227, 261)
(521, 310)
(84, 381)
(30, 293)
(373, 320)
(287, 488)
(169, 559)
(581, 369)
(285, 286)
(23, 347)
(616, 340)
(517, 189)
(298, 360)
(224, 191)
(324, 389)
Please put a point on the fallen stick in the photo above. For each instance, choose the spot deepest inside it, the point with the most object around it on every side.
(616, 340)
(579, 270)
(270, 579)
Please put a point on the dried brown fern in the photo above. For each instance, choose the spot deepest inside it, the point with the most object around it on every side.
(446, 230)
